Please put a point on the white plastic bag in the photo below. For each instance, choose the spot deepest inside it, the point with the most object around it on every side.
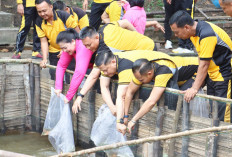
(104, 132)
(58, 124)
(198, 106)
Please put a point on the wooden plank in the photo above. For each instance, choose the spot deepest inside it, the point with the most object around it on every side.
(91, 103)
(28, 121)
(3, 88)
(212, 140)
(185, 127)
(171, 151)
(158, 151)
(36, 109)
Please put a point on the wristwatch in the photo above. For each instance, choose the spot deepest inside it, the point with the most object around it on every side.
(79, 94)
(120, 121)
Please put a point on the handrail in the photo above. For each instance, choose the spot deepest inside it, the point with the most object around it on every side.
(175, 91)
(143, 140)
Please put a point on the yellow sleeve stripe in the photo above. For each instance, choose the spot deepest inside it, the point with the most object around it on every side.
(20, 1)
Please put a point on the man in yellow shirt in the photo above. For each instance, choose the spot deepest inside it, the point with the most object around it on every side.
(97, 9)
(213, 46)
(48, 26)
(27, 10)
(79, 15)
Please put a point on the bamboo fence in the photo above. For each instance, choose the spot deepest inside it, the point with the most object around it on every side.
(25, 95)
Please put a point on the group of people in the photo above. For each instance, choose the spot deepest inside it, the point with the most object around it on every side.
(119, 49)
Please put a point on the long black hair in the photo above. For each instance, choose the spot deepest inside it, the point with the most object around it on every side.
(67, 36)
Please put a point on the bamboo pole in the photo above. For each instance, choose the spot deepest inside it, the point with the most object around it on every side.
(149, 139)
(134, 133)
(185, 127)
(37, 98)
(212, 139)
(28, 123)
(3, 88)
(202, 13)
(91, 103)
(158, 150)
(32, 89)
(4, 153)
(171, 152)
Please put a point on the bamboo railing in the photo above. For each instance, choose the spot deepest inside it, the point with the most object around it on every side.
(32, 82)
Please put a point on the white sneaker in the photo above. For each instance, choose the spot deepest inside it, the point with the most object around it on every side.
(178, 50)
(168, 44)
(182, 50)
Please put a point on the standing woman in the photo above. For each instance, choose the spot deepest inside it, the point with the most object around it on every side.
(72, 47)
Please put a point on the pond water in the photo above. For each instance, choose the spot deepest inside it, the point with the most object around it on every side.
(30, 143)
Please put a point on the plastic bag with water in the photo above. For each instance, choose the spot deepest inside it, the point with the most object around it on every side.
(104, 132)
(58, 124)
(199, 106)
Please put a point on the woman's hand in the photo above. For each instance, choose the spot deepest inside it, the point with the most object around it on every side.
(77, 105)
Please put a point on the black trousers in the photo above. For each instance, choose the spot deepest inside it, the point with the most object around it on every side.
(170, 9)
(29, 17)
(53, 59)
(221, 89)
(97, 10)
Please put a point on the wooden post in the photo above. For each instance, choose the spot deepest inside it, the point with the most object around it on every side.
(32, 90)
(134, 132)
(158, 151)
(171, 151)
(91, 103)
(3, 88)
(36, 112)
(28, 125)
(212, 139)
(185, 127)
(147, 150)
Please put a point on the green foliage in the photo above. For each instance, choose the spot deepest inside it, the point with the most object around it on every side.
(153, 5)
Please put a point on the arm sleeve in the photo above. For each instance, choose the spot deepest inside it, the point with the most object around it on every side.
(83, 56)
(125, 76)
(137, 82)
(84, 21)
(162, 80)
(19, 1)
(62, 65)
(207, 47)
(126, 6)
(71, 22)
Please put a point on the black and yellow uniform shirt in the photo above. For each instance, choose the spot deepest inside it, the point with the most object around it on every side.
(115, 11)
(187, 68)
(27, 3)
(213, 44)
(102, 1)
(62, 20)
(163, 72)
(126, 59)
(114, 38)
(80, 16)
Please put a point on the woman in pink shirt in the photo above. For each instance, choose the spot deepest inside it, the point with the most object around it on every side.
(136, 15)
(72, 47)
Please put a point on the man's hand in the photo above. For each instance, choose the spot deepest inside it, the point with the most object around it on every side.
(85, 5)
(77, 105)
(58, 56)
(113, 110)
(189, 94)
(43, 63)
(130, 126)
(159, 27)
(20, 9)
(169, 1)
(58, 91)
(121, 128)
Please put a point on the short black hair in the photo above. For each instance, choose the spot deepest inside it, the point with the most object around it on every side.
(87, 32)
(59, 5)
(142, 66)
(139, 3)
(40, 1)
(67, 36)
(104, 57)
(181, 18)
